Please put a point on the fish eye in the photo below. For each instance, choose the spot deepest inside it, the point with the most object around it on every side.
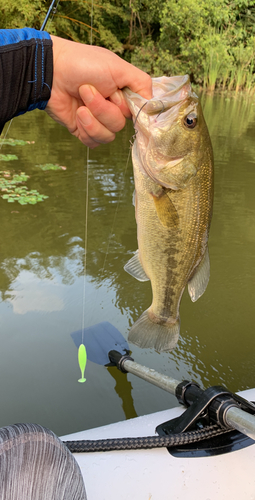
(190, 120)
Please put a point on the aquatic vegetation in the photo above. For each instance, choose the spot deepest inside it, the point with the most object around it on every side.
(15, 142)
(8, 179)
(214, 68)
(8, 157)
(10, 186)
(24, 197)
(10, 182)
(51, 166)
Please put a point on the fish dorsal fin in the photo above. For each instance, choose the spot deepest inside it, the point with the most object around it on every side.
(166, 210)
(198, 283)
(135, 268)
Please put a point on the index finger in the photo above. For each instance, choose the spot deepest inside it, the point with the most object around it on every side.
(137, 80)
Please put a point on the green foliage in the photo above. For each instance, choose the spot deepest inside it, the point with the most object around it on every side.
(210, 38)
(20, 13)
(212, 41)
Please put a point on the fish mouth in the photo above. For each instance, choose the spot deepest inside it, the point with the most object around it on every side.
(166, 95)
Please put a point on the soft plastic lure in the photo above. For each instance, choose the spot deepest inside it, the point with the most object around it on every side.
(82, 359)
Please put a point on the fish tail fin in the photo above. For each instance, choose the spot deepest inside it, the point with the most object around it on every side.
(161, 337)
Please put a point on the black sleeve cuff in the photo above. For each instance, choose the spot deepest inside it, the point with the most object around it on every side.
(26, 73)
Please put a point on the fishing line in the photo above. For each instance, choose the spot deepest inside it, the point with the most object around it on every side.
(91, 23)
(5, 135)
(82, 354)
(115, 215)
(82, 357)
(82, 348)
(125, 169)
(85, 244)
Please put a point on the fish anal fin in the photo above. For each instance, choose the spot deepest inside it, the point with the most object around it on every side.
(162, 337)
(135, 268)
(166, 210)
(199, 281)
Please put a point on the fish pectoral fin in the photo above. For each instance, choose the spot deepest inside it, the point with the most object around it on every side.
(198, 283)
(166, 210)
(135, 268)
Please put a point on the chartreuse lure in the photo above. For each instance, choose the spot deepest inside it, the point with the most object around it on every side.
(82, 359)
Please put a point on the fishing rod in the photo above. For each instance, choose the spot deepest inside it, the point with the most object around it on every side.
(48, 14)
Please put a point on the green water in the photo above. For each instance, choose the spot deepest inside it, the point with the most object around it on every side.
(42, 269)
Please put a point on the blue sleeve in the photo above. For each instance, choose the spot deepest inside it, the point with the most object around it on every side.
(26, 71)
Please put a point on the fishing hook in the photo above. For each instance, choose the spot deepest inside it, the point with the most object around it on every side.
(162, 110)
(132, 140)
(136, 118)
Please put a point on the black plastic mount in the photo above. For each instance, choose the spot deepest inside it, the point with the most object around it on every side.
(212, 403)
(118, 359)
(205, 408)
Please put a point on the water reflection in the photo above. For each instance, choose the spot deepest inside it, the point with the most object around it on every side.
(124, 390)
(42, 277)
(29, 293)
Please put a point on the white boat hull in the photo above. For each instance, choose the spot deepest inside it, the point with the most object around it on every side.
(156, 474)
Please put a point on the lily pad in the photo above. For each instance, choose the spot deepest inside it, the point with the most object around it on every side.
(8, 180)
(13, 191)
(50, 166)
(15, 142)
(8, 157)
(24, 198)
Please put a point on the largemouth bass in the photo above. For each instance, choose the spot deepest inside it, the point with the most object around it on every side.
(173, 171)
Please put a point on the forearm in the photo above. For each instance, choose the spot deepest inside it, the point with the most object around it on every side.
(85, 94)
(26, 71)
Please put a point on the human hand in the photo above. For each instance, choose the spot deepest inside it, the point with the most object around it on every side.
(86, 92)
